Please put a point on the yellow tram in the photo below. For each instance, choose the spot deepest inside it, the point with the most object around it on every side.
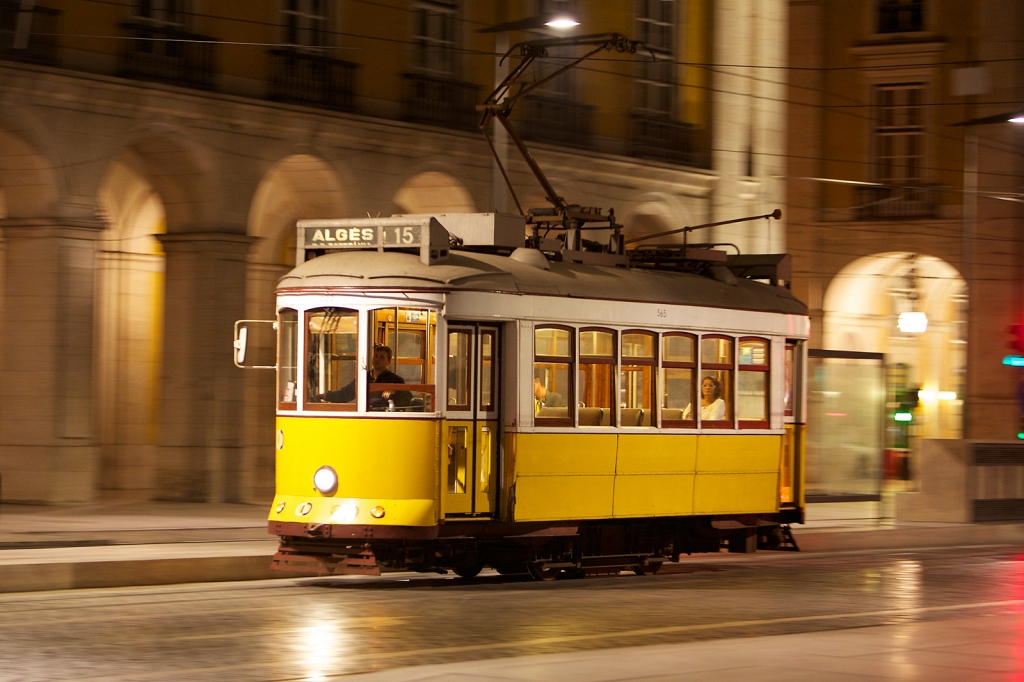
(542, 408)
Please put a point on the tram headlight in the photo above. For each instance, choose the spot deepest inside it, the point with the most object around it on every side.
(325, 480)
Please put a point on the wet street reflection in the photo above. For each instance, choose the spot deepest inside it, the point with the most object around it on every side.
(320, 629)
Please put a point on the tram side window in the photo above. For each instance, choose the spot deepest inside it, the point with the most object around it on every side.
(552, 376)
(752, 399)
(331, 358)
(287, 358)
(716, 367)
(789, 380)
(596, 377)
(636, 379)
(402, 360)
(679, 366)
(459, 363)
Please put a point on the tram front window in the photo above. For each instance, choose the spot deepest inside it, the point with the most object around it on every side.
(401, 376)
(331, 352)
(287, 358)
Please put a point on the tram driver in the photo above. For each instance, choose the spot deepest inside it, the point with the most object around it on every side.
(377, 374)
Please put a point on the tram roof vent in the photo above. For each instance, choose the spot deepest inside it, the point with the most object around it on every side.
(502, 230)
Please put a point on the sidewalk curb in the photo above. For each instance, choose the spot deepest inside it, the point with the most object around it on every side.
(84, 574)
(909, 538)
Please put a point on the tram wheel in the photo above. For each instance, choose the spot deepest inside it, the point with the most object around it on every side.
(540, 571)
(468, 570)
(644, 568)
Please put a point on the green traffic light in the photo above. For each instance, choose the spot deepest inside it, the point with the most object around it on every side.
(1021, 435)
(906, 417)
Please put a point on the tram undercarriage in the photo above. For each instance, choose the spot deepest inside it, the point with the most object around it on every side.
(544, 551)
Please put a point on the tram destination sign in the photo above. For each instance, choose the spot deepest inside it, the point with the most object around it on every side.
(417, 233)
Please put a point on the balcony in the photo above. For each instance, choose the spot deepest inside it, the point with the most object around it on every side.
(661, 139)
(41, 47)
(167, 54)
(896, 203)
(440, 101)
(312, 79)
(557, 120)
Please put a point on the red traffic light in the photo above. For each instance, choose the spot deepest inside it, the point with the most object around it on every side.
(1018, 337)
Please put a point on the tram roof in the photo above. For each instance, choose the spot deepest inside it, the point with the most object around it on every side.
(470, 271)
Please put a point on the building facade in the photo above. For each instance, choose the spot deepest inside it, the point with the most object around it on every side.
(905, 200)
(155, 155)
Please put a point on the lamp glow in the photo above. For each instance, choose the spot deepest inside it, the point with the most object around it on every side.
(562, 22)
(1013, 360)
(1017, 119)
(912, 323)
(947, 395)
(903, 417)
(325, 480)
(345, 513)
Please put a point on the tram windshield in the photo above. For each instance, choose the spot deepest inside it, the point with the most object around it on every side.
(332, 357)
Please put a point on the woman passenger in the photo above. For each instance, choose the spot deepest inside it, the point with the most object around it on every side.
(712, 407)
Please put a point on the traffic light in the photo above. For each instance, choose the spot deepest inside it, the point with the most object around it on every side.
(907, 400)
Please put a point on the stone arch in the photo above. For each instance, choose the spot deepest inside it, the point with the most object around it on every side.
(295, 187)
(861, 309)
(129, 328)
(433, 192)
(29, 178)
(656, 212)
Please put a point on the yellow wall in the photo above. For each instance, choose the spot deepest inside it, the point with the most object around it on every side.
(377, 36)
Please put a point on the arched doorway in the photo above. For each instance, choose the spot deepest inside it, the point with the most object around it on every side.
(297, 187)
(433, 192)
(129, 330)
(913, 308)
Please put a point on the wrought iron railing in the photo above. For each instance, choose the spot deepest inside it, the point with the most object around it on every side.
(662, 139)
(896, 203)
(39, 45)
(440, 101)
(168, 54)
(558, 121)
(313, 79)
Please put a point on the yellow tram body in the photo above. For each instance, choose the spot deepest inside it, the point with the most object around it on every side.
(544, 415)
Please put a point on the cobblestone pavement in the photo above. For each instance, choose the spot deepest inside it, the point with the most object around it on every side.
(319, 629)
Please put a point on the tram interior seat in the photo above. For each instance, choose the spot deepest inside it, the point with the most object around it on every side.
(553, 413)
(591, 416)
(669, 414)
(632, 416)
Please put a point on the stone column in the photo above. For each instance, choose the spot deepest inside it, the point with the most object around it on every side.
(200, 447)
(47, 444)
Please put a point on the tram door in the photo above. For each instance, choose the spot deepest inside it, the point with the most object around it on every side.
(471, 457)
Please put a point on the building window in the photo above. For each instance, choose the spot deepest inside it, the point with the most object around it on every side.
(163, 12)
(305, 23)
(654, 87)
(899, 134)
(900, 16)
(434, 37)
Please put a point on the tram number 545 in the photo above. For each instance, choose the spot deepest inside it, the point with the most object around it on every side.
(662, 312)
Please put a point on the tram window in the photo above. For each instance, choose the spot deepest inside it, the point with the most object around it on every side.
(596, 377)
(553, 376)
(788, 382)
(636, 379)
(752, 399)
(459, 363)
(716, 399)
(287, 358)
(488, 347)
(331, 358)
(408, 333)
(677, 375)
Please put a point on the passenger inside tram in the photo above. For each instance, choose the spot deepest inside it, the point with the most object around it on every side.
(543, 397)
(377, 374)
(712, 406)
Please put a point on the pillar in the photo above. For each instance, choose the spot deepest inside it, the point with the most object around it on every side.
(48, 448)
(200, 446)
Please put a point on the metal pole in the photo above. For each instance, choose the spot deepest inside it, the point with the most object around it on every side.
(499, 137)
